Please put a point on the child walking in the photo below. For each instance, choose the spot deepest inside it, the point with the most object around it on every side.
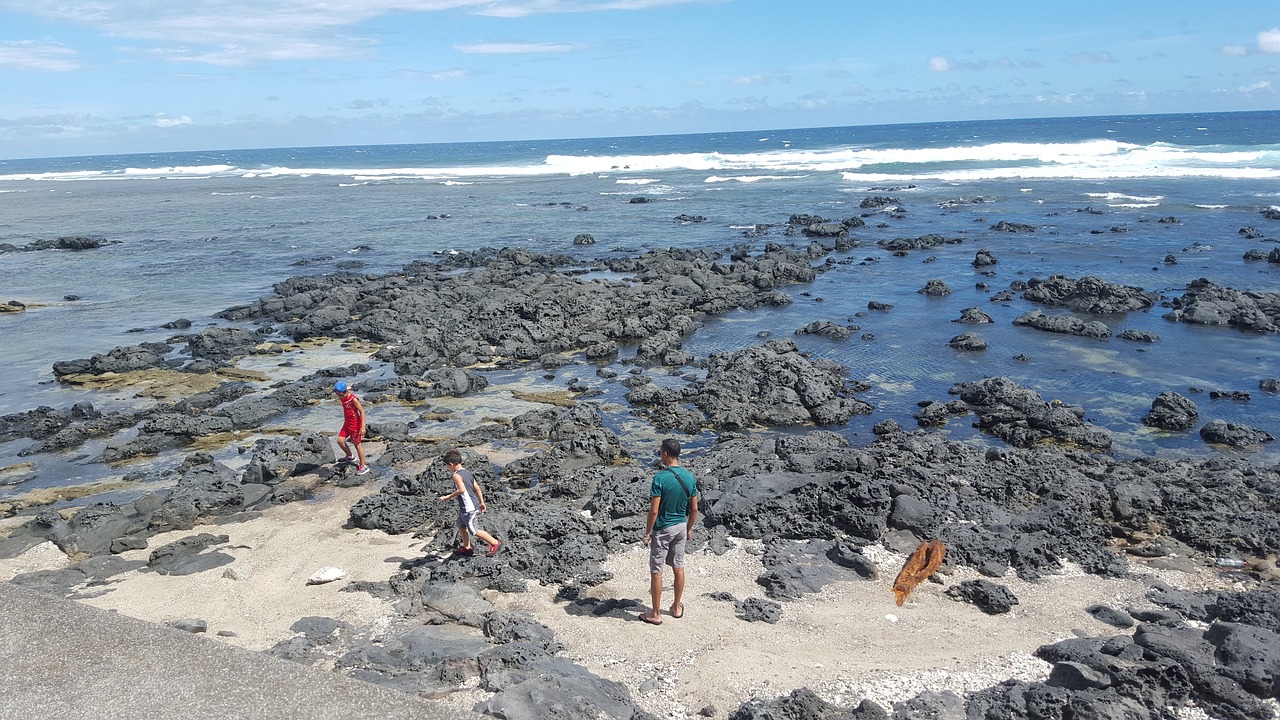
(352, 425)
(470, 504)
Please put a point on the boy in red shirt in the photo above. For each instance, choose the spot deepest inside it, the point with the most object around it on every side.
(352, 425)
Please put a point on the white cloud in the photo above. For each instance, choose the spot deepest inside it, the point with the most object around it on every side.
(747, 103)
(1256, 87)
(525, 8)
(750, 80)
(366, 104)
(238, 55)
(1059, 99)
(238, 32)
(1090, 58)
(37, 56)
(1234, 50)
(1269, 40)
(942, 64)
(814, 101)
(165, 121)
(515, 48)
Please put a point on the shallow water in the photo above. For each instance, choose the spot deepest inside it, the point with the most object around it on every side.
(198, 232)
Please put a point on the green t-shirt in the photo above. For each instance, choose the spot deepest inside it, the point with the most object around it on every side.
(674, 507)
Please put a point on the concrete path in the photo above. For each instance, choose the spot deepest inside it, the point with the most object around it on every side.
(62, 659)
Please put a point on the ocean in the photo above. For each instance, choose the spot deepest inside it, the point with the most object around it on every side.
(193, 233)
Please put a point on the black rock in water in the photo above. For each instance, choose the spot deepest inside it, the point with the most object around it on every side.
(1234, 434)
(1171, 411)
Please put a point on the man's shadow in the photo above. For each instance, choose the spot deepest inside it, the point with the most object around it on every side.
(615, 608)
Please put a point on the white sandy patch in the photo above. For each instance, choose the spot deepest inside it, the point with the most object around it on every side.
(847, 642)
(274, 554)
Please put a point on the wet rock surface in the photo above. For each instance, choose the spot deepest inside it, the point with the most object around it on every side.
(1089, 295)
(1065, 324)
(73, 243)
(814, 500)
(1022, 418)
(1234, 434)
(1171, 411)
(1205, 303)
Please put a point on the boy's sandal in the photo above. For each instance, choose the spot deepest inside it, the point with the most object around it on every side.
(646, 618)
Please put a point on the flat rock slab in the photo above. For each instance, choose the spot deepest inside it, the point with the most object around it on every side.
(104, 664)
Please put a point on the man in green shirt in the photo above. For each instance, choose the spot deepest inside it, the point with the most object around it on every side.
(673, 509)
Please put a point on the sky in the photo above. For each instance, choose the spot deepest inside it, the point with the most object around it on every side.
(90, 77)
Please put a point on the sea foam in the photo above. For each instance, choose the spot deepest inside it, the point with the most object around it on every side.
(1088, 159)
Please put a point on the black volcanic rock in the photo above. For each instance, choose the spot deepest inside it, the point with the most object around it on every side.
(1238, 435)
(989, 597)
(1171, 411)
(1205, 303)
(1022, 418)
(1089, 294)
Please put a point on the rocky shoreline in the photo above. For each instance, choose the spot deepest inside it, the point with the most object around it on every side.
(568, 494)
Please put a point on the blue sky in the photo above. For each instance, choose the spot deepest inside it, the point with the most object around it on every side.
(82, 77)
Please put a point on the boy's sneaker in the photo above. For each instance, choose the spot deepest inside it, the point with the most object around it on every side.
(464, 550)
(493, 549)
(346, 459)
(362, 469)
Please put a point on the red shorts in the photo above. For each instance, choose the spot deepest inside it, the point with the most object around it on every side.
(351, 432)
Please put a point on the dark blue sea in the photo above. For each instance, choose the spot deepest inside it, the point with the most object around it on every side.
(196, 232)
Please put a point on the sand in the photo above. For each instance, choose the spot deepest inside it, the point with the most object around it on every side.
(274, 553)
(847, 642)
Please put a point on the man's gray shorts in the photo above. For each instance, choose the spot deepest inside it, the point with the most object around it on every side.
(667, 545)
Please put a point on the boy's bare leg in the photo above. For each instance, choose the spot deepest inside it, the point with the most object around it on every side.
(465, 537)
(360, 453)
(346, 449)
(487, 537)
(679, 591)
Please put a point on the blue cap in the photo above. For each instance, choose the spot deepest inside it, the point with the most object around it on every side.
(339, 386)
